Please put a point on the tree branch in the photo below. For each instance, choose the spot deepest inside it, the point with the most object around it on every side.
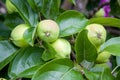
(114, 31)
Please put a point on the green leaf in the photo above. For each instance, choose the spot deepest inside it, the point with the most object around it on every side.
(91, 75)
(84, 49)
(12, 20)
(112, 46)
(26, 62)
(59, 69)
(71, 22)
(29, 35)
(49, 52)
(118, 60)
(114, 22)
(32, 3)
(7, 53)
(50, 8)
(87, 64)
(100, 67)
(118, 75)
(114, 6)
(106, 71)
(95, 72)
(36, 4)
(99, 72)
(4, 32)
(26, 12)
(106, 75)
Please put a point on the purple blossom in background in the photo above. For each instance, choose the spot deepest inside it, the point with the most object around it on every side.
(106, 8)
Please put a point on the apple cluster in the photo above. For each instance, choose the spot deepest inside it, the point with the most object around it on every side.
(47, 31)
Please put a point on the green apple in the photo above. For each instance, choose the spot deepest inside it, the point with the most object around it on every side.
(103, 57)
(10, 7)
(17, 35)
(3, 79)
(62, 47)
(96, 34)
(48, 30)
(100, 13)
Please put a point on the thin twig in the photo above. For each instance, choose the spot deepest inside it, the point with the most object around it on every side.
(19, 79)
(114, 31)
(66, 5)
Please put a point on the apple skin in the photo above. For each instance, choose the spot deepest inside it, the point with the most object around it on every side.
(96, 34)
(103, 57)
(100, 13)
(48, 30)
(3, 79)
(62, 47)
(10, 7)
(17, 35)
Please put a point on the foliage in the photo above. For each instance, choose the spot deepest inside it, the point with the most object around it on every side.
(38, 62)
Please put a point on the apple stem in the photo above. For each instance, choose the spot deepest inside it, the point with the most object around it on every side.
(99, 35)
(11, 38)
(47, 34)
